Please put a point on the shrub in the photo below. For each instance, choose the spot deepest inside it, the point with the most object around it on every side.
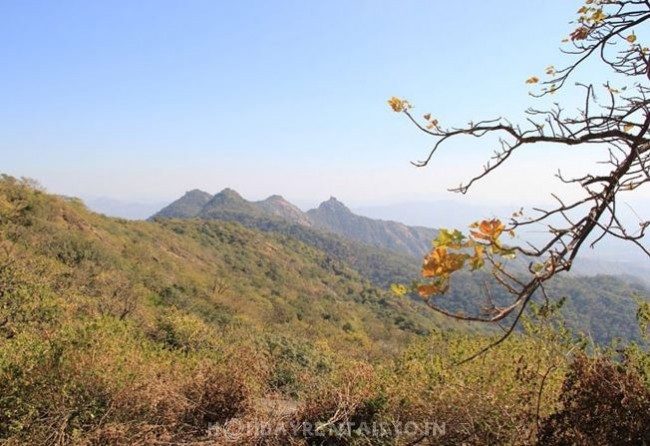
(603, 402)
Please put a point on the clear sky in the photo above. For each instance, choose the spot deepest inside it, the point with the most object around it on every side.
(143, 100)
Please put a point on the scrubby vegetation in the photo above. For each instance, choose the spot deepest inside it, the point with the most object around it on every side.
(194, 332)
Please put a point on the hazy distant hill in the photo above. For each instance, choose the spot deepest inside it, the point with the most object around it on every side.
(229, 205)
(334, 216)
(188, 206)
(331, 216)
(278, 206)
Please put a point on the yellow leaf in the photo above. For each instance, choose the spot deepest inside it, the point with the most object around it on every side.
(398, 105)
(441, 263)
(631, 38)
(598, 16)
(477, 260)
(629, 127)
(532, 80)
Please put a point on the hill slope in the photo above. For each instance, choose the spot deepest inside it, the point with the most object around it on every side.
(152, 331)
(279, 207)
(188, 206)
(219, 271)
(334, 216)
(119, 332)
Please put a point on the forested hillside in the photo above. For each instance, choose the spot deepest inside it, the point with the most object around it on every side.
(602, 306)
(92, 302)
(120, 332)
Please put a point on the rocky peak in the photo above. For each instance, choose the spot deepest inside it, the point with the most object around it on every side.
(278, 206)
(188, 206)
(333, 205)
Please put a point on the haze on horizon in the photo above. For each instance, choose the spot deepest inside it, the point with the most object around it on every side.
(142, 101)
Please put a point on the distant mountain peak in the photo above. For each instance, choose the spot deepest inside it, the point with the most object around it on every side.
(227, 195)
(331, 216)
(188, 206)
(231, 193)
(334, 205)
(334, 216)
(196, 194)
(276, 205)
(278, 198)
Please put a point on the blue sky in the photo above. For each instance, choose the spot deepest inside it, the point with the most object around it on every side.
(143, 100)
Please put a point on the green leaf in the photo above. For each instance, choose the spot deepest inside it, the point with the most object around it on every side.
(452, 239)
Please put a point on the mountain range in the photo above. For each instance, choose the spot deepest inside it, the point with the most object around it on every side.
(401, 242)
(386, 252)
(331, 216)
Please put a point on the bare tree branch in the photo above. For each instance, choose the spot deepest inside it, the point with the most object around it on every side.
(619, 123)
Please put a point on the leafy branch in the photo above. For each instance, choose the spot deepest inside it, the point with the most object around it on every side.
(619, 122)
